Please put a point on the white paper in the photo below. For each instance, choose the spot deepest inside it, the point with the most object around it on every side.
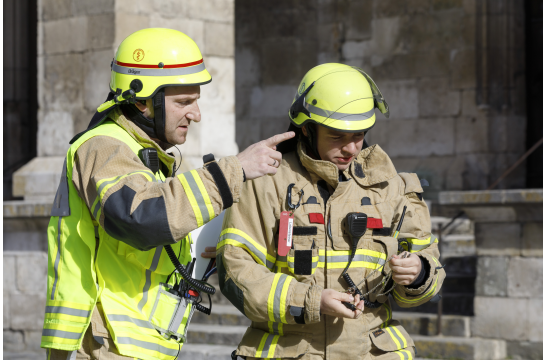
(206, 235)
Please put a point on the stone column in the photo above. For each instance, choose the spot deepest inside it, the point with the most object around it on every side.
(76, 43)
(509, 286)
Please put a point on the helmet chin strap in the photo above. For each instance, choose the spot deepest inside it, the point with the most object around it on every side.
(159, 111)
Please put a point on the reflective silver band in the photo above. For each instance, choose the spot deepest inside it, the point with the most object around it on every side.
(61, 334)
(159, 72)
(153, 267)
(67, 311)
(101, 187)
(147, 345)
(265, 354)
(357, 257)
(277, 295)
(250, 246)
(198, 196)
(338, 115)
(138, 322)
(57, 259)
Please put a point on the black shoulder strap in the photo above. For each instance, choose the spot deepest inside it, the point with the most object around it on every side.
(223, 186)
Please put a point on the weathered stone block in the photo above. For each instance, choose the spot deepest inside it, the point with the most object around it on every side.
(330, 36)
(170, 9)
(39, 178)
(471, 134)
(219, 39)
(65, 35)
(439, 30)
(92, 7)
(413, 65)
(6, 322)
(505, 136)
(55, 9)
(491, 279)
(524, 277)
(491, 214)
(217, 10)
(13, 341)
(277, 71)
(97, 79)
(439, 5)
(389, 8)
(532, 239)
(251, 133)
(503, 318)
(26, 234)
(402, 97)
(356, 49)
(27, 312)
(32, 272)
(100, 30)
(524, 350)
(386, 36)
(62, 85)
(437, 137)
(192, 28)
(357, 20)
(126, 24)
(267, 101)
(535, 326)
(32, 340)
(436, 99)
(141, 7)
(469, 104)
(9, 285)
(496, 239)
(54, 134)
(247, 71)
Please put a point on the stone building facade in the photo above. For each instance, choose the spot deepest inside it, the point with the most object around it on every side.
(453, 71)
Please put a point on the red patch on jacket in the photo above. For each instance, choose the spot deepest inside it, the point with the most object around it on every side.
(373, 223)
(316, 218)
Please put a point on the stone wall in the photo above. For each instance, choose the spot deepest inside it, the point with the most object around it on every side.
(76, 43)
(508, 300)
(451, 71)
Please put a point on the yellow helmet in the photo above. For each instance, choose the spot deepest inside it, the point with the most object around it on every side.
(157, 58)
(145, 63)
(337, 96)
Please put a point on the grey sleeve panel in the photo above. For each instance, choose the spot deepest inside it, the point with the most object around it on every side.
(61, 205)
(144, 229)
(228, 288)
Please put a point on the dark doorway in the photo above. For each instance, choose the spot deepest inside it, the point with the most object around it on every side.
(534, 90)
(20, 87)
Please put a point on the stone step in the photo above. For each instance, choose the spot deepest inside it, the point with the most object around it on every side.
(460, 348)
(216, 352)
(414, 323)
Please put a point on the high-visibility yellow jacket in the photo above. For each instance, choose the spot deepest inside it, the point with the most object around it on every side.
(281, 295)
(110, 220)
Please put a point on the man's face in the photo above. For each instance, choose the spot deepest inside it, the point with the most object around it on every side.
(338, 147)
(181, 109)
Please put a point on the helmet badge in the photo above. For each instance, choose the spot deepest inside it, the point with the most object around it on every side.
(301, 88)
(138, 55)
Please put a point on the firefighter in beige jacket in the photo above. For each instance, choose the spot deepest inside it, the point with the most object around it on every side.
(295, 301)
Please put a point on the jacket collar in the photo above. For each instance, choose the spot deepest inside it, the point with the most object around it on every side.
(142, 138)
(370, 167)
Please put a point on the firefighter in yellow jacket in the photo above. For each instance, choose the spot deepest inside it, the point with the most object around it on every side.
(121, 217)
(336, 221)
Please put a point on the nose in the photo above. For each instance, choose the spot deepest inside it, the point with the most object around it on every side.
(350, 148)
(194, 114)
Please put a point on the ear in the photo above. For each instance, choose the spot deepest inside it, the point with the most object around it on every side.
(304, 130)
(140, 106)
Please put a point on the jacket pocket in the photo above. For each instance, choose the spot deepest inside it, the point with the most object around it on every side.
(303, 261)
(260, 344)
(391, 338)
(171, 314)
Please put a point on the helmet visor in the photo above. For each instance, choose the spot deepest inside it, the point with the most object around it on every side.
(380, 102)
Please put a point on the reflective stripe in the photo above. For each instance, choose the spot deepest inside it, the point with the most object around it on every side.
(72, 355)
(147, 285)
(421, 244)
(96, 208)
(427, 294)
(399, 336)
(138, 322)
(67, 311)
(238, 238)
(158, 72)
(57, 259)
(388, 315)
(102, 184)
(338, 259)
(396, 339)
(276, 328)
(62, 334)
(283, 299)
(197, 196)
(276, 302)
(267, 346)
(147, 345)
(339, 115)
(404, 354)
(272, 295)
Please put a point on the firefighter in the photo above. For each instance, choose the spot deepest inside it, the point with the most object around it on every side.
(121, 216)
(287, 246)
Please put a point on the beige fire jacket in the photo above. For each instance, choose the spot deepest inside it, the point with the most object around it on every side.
(123, 196)
(276, 293)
